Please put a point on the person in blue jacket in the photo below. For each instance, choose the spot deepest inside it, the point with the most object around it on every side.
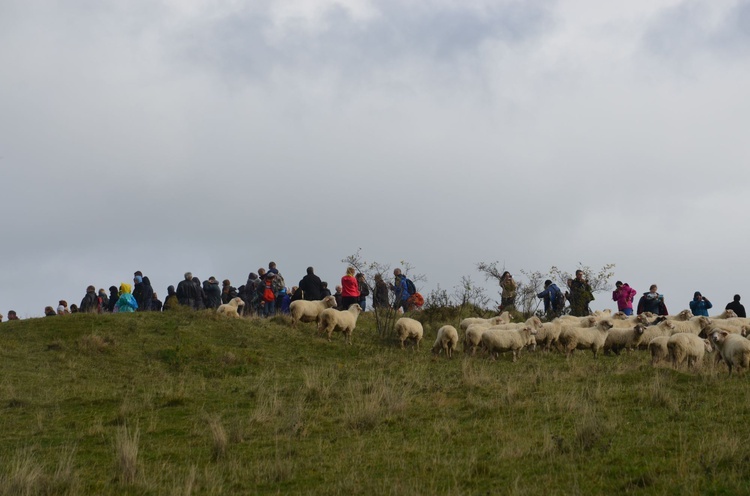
(700, 304)
(553, 299)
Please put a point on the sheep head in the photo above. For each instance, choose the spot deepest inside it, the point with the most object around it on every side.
(708, 346)
(684, 315)
(639, 329)
(718, 337)
(605, 324)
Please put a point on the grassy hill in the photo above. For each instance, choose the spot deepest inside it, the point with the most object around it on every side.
(187, 403)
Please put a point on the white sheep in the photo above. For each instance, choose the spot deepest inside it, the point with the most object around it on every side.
(447, 339)
(496, 341)
(664, 328)
(734, 349)
(571, 321)
(658, 349)
(339, 320)
(694, 326)
(230, 309)
(533, 321)
(503, 318)
(622, 321)
(618, 339)
(309, 311)
(407, 328)
(585, 338)
(726, 314)
(683, 315)
(686, 345)
(549, 334)
(473, 337)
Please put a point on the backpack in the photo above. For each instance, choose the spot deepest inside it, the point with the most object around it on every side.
(410, 288)
(268, 295)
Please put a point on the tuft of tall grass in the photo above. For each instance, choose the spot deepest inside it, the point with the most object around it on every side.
(219, 438)
(126, 452)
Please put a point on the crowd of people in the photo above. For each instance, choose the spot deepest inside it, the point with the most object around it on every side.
(580, 294)
(264, 294)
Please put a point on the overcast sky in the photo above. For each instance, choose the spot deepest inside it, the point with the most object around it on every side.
(215, 136)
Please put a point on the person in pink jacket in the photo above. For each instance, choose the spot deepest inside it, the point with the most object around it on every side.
(623, 295)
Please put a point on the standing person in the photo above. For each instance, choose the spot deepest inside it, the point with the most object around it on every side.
(171, 302)
(554, 301)
(349, 289)
(126, 303)
(12, 315)
(624, 295)
(400, 290)
(268, 301)
(200, 300)
(228, 292)
(138, 290)
(700, 304)
(148, 294)
(90, 302)
(104, 299)
(213, 293)
(653, 302)
(380, 293)
(49, 312)
(156, 304)
(186, 292)
(311, 286)
(580, 295)
(735, 306)
(339, 298)
(364, 290)
(252, 294)
(508, 295)
(62, 308)
(114, 295)
(324, 291)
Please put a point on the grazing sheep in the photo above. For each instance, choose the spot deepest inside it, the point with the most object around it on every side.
(585, 338)
(734, 349)
(339, 320)
(230, 309)
(473, 337)
(407, 328)
(686, 345)
(496, 341)
(617, 339)
(658, 349)
(549, 334)
(447, 339)
(503, 318)
(309, 311)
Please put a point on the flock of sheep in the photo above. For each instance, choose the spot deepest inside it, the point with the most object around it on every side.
(678, 338)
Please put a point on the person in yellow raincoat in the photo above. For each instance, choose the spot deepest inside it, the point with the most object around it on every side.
(126, 302)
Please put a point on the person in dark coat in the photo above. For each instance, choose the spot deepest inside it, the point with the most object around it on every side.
(156, 304)
(200, 300)
(148, 295)
(737, 307)
(90, 302)
(114, 295)
(228, 292)
(104, 300)
(186, 292)
(311, 286)
(213, 293)
(380, 294)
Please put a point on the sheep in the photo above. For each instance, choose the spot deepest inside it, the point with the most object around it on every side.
(583, 338)
(496, 341)
(617, 339)
(447, 339)
(726, 314)
(503, 318)
(549, 334)
(658, 349)
(473, 337)
(683, 315)
(686, 345)
(734, 349)
(695, 325)
(569, 320)
(344, 321)
(230, 309)
(622, 321)
(664, 328)
(407, 328)
(534, 322)
(309, 311)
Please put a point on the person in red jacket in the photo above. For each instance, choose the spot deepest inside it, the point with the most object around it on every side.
(349, 289)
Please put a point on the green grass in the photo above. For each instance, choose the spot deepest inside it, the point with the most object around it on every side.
(188, 403)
